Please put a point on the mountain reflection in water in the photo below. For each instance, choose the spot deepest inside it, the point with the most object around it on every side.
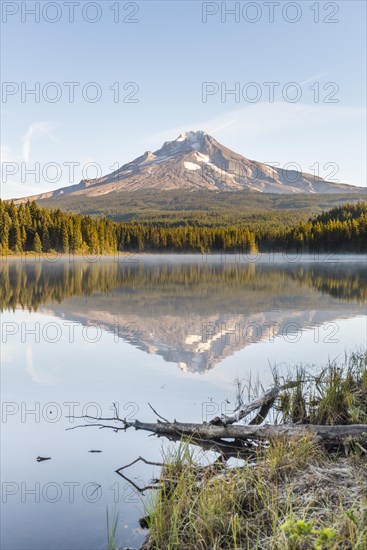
(194, 314)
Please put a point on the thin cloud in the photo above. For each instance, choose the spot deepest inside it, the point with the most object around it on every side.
(222, 126)
(35, 131)
(269, 118)
(314, 78)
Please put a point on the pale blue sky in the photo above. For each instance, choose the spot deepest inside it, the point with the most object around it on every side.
(169, 53)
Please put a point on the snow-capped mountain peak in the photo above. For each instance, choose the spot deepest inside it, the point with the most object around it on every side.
(185, 142)
(197, 161)
(191, 136)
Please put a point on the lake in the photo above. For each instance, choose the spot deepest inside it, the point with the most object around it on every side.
(175, 331)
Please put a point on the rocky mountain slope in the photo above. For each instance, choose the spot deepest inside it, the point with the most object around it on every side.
(196, 161)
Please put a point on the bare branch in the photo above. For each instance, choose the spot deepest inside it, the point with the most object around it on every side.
(159, 416)
(265, 402)
(155, 485)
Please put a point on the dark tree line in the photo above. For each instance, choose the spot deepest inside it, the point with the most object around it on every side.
(29, 228)
(343, 228)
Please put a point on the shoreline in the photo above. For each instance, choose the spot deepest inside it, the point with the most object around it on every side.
(238, 257)
(291, 492)
(295, 497)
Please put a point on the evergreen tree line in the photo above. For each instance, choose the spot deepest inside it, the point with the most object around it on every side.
(29, 228)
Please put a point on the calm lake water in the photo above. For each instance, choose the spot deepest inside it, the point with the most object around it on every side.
(174, 331)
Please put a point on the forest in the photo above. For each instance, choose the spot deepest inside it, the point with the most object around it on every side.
(203, 207)
(30, 228)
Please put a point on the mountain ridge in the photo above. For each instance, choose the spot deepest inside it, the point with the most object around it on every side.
(196, 161)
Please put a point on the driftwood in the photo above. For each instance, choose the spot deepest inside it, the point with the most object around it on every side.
(155, 484)
(223, 434)
(264, 403)
(229, 438)
(327, 434)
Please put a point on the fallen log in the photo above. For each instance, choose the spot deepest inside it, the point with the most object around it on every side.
(229, 436)
(329, 435)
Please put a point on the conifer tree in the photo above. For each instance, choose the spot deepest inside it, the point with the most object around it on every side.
(37, 244)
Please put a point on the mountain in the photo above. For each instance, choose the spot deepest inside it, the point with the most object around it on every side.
(196, 161)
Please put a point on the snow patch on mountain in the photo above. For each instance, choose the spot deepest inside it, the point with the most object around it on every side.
(191, 166)
(202, 158)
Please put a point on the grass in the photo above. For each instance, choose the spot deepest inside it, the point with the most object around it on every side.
(111, 530)
(295, 495)
(335, 395)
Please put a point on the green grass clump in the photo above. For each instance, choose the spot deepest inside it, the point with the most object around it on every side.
(295, 494)
(111, 530)
(336, 395)
(294, 497)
